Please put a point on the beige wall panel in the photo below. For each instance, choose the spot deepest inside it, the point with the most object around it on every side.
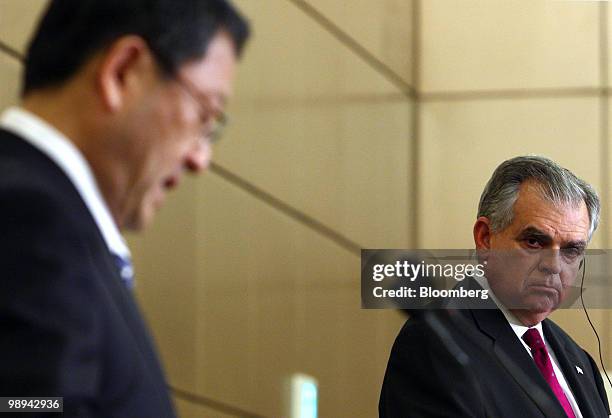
(165, 270)
(316, 127)
(240, 297)
(463, 142)
(508, 44)
(608, 9)
(575, 323)
(187, 409)
(10, 74)
(607, 222)
(384, 28)
(17, 20)
(275, 298)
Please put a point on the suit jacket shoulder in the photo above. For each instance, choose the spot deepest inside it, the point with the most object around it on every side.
(473, 366)
(69, 326)
(579, 369)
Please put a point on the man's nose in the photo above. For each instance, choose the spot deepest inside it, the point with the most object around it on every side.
(198, 158)
(550, 261)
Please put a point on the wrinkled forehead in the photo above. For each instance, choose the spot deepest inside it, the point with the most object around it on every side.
(567, 221)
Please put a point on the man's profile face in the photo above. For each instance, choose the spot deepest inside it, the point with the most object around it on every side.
(167, 126)
(532, 263)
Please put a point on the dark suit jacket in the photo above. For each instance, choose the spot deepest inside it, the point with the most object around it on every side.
(68, 326)
(423, 378)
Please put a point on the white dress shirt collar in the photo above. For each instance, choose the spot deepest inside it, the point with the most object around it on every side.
(67, 156)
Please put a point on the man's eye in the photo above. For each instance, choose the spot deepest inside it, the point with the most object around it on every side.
(572, 252)
(533, 243)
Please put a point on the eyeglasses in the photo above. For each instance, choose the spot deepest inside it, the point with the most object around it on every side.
(215, 124)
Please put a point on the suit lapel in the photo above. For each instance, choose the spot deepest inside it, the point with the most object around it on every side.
(514, 358)
(568, 362)
(127, 306)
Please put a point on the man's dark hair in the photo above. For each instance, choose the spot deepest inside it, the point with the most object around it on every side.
(177, 31)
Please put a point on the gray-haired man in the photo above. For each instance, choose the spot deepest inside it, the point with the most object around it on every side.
(534, 221)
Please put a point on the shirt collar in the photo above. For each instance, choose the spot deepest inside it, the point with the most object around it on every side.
(67, 156)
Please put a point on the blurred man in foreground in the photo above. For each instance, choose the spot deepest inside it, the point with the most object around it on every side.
(121, 98)
(534, 221)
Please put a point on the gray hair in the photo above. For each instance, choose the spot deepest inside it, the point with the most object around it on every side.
(557, 185)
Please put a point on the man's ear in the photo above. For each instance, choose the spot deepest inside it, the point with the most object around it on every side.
(482, 233)
(121, 63)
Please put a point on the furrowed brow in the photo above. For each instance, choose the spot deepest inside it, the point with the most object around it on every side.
(533, 232)
(580, 244)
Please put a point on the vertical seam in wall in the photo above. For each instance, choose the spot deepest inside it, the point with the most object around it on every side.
(604, 152)
(414, 194)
